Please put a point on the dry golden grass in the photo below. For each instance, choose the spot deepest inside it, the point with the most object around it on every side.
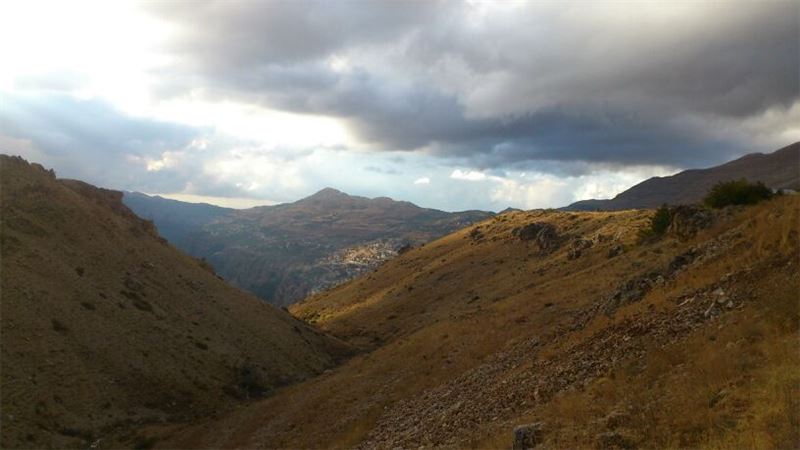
(105, 327)
(449, 307)
(729, 386)
(738, 391)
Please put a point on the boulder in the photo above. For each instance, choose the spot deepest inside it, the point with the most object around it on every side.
(631, 291)
(681, 261)
(528, 436)
(577, 247)
(527, 232)
(687, 220)
(548, 239)
(544, 234)
(603, 237)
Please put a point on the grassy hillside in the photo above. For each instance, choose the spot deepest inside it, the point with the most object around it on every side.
(105, 327)
(564, 318)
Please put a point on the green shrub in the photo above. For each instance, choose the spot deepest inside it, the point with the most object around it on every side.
(659, 223)
(737, 192)
(661, 220)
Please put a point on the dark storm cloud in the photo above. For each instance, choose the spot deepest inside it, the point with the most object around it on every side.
(553, 82)
(232, 33)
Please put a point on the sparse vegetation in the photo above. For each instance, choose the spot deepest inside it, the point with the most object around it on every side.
(733, 386)
(59, 326)
(73, 336)
(737, 192)
(686, 393)
(144, 442)
(251, 381)
(697, 351)
(88, 306)
(660, 221)
(658, 225)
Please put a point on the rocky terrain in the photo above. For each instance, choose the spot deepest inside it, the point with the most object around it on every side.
(283, 253)
(556, 330)
(106, 327)
(778, 170)
(529, 329)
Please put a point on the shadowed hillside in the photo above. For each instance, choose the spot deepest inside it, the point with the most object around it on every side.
(282, 253)
(778, 170)
(106, 327)
(562, 318)
(176, 220)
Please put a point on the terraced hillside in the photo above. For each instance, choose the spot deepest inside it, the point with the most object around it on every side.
(566, 321)
(104, 327)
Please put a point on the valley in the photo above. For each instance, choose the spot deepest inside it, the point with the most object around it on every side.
(391, 225)
(283, 253)
(544, 328)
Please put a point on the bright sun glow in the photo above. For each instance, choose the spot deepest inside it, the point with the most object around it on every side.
(111, 50)
(101, 44)
(268, 127)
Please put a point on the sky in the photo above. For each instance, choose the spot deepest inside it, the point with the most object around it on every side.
(450, 105)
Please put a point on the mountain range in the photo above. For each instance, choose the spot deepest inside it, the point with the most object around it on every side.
(778, 170)
(282, 253)
(526, 329)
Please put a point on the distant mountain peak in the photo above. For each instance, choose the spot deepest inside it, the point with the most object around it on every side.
(327, 193)
(294, 249)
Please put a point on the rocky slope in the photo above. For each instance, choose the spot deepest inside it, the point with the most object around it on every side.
(105, 327)
(283, 253)
(778, 170)
(562, 326)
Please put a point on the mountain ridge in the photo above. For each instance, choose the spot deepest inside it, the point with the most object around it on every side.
(286, 251)
(779, 170)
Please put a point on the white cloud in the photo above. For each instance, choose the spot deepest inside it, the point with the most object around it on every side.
(268, 127)
(467, 175)
(339, 63)
(607, 183)
(423, 180)
(542, 191)
(167, 160)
